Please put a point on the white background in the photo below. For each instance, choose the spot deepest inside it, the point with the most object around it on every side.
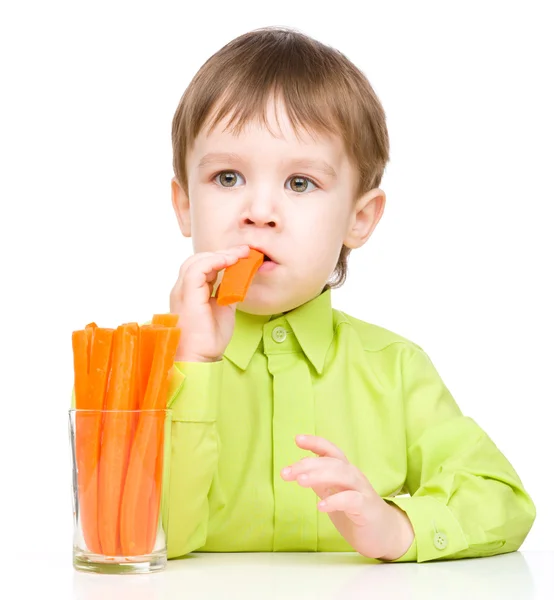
(461, 262)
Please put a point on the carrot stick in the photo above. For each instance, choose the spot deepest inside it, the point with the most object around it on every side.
(154, 507)
(166, 319)
(116, 435)
(89, 332)
(136, 512)
(147, 344)
(79, 341)
(167, 340)
(80, 344)
(146, 355)
(237, 278)
(100, 362)
(155, 496)
(137, 395)
(82, 341)
(156, 484)
(147, 347)
(88, 435)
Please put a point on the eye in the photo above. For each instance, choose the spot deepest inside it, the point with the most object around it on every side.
(300, 184)
(227, 179)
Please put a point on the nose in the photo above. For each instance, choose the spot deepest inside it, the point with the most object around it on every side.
(260, 211)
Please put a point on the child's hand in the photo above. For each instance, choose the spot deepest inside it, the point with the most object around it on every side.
(206, 327)
(370, 525)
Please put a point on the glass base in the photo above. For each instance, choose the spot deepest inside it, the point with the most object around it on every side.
(98, 563)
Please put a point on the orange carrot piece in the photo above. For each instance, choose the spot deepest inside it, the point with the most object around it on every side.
(137, 388)
(155, 497)
(154, 508)
(166, 319)
(150, 333)
(146, 355)
(167, 340)
(140, 484)
(88, 436)
(156, 487)
(79, 343)
(146, 341)
(156, 493)
(116, 435)
(237, 278)
(89, 331)
(100, 362)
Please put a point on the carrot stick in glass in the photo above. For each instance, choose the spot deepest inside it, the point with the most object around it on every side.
(88, 427)
(116, 435)
(141, 484)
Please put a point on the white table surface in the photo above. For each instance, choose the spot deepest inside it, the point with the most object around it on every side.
(260, 576)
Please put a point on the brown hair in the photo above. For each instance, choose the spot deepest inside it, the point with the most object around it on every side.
(322, 92)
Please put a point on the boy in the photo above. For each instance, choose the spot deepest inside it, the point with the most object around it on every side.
(280, 144)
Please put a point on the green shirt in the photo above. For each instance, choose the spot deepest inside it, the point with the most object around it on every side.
(375, 395)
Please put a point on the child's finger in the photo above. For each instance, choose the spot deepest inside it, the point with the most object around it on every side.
(195, 275)
(320, 446)
(205, 270)
(235, 251)
(353, 503)
(336, 475)
(186, 266)
(307, 465)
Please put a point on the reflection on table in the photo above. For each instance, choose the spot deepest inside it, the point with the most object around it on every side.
(322, 576)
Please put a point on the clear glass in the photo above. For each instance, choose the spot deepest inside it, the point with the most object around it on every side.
(120, 465)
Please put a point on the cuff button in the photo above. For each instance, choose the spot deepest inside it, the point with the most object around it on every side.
(440, 541)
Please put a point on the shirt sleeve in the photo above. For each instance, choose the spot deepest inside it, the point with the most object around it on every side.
(465, 498)
(193, 398)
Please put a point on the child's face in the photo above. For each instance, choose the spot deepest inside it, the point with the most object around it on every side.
(291, 198)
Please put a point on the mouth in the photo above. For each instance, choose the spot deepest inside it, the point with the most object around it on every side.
(268, 265)
(267, 257)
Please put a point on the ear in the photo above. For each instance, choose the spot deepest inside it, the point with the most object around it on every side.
(181, 206)
(367, 213)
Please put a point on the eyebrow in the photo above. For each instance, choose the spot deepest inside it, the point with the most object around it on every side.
(306, 163)
(317, 165)
(220, 157)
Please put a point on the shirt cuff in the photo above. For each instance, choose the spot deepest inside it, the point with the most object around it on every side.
(437, 531)
(194, 389)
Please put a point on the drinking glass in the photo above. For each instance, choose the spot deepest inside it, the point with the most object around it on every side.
(120, 466)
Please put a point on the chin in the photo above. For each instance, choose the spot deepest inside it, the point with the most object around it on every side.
(270, 302)
(256, 306)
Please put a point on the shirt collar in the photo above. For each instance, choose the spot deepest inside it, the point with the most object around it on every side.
(311, 323)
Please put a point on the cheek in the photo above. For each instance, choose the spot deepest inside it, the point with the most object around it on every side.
(330, 224)
(209, 223)
(319, 239)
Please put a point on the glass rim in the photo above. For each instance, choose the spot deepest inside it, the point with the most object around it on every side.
(119, 410)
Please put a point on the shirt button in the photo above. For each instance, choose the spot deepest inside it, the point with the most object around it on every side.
(279, 334)
(440, 540)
